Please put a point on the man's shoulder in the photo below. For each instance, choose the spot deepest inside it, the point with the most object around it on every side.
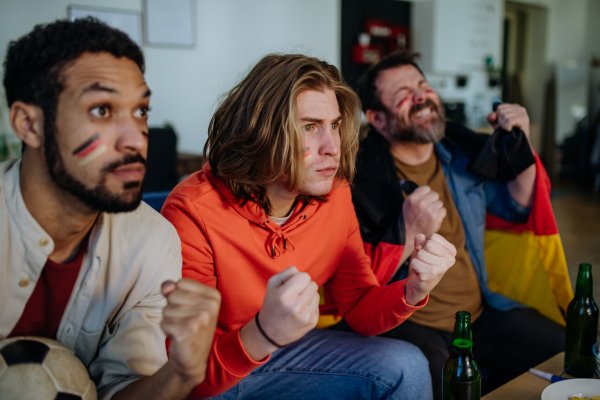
(5, 168)
(340, 191)
(144, 224)
(197, 189)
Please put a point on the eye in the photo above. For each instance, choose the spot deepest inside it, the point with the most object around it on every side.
(100, 111)
(307, 128)
(335, 126)
(141, 112)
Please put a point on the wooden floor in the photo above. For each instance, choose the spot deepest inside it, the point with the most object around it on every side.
(577, 212)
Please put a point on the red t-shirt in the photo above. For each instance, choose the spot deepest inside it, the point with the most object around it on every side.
(47, 303)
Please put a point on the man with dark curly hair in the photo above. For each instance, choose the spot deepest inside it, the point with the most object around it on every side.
(82, 260)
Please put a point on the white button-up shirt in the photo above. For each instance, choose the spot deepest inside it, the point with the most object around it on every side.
(112, 320)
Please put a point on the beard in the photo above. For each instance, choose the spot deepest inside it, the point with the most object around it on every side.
(98, 198)
(416, 133)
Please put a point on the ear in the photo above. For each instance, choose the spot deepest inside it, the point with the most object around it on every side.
(27, 120)
(378, 120)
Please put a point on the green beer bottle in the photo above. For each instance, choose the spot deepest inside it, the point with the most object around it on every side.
(582, 326)
(462, 379)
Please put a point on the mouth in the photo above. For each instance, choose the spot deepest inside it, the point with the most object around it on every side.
(423, 114)
(130, 172)
(328, 171)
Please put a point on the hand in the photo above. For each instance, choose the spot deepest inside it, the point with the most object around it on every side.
(291, 306)
(507, 116)
(430, 260)
(423, 212)
(189, 320)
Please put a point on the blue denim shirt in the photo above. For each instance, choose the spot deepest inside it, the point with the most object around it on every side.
(474, 196)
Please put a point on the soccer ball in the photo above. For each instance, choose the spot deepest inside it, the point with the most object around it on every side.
(42, 369)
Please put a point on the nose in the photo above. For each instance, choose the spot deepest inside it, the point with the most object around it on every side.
(131, 136)
(330, 143)
(420, 96)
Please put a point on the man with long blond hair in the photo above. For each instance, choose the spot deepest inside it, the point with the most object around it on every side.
(269, 220)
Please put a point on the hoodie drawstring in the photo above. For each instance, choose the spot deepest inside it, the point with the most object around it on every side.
(277, 233)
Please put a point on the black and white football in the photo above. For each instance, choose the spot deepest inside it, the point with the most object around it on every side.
(42, 369)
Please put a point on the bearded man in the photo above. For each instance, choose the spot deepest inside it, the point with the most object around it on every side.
(82, 259)
(410, 143)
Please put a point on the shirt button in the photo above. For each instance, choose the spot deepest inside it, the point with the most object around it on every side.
(24, 282)
(44, 242)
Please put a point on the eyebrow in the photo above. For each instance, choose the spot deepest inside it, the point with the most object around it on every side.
(97, 87)
(320, 121)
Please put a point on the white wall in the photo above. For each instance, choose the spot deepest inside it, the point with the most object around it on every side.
(231, 36)
(454, 38)
(567, 27)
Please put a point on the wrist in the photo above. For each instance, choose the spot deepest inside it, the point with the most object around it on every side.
(412, 296)
(184, 378)
(255, 344)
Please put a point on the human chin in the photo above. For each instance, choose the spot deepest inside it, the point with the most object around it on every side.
(424, 131)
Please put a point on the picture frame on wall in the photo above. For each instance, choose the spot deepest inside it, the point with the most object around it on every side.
(170, 23)
(128, 21)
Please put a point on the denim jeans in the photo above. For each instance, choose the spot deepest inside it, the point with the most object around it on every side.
(339, 365)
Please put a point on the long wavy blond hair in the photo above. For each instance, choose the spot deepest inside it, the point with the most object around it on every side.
(255, 137)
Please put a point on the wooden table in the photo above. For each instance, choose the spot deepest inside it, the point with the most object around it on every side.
(529, 386)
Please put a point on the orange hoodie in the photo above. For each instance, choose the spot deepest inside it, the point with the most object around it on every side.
(236, 249)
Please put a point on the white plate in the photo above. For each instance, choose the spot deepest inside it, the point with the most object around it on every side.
(564, 390)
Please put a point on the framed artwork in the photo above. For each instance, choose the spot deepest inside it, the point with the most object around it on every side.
(128, 21)
(170, 23)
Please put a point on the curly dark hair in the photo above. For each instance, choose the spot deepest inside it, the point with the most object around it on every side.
(366, 89)
(34, 63)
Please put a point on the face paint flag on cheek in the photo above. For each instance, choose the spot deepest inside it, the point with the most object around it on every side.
(405, 100)
(307, 152)
(402, 103)
(90, 149)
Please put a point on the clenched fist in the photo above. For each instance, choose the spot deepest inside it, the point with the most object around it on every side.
(507, 116)
(431, 259)
(290, 309)
(189, 320)
(291, 306)
(423, 212)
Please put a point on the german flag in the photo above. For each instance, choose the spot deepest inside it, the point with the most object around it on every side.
(526, 261)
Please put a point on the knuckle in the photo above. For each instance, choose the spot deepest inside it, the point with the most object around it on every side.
(164, 325)
(216, 295)
(304, 276)
(286, 302)
(213, 308)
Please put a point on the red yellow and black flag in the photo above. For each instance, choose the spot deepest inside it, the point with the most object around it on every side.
(526, 261)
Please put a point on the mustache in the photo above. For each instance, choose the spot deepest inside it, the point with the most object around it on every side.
(128, 159)
(418, 107)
